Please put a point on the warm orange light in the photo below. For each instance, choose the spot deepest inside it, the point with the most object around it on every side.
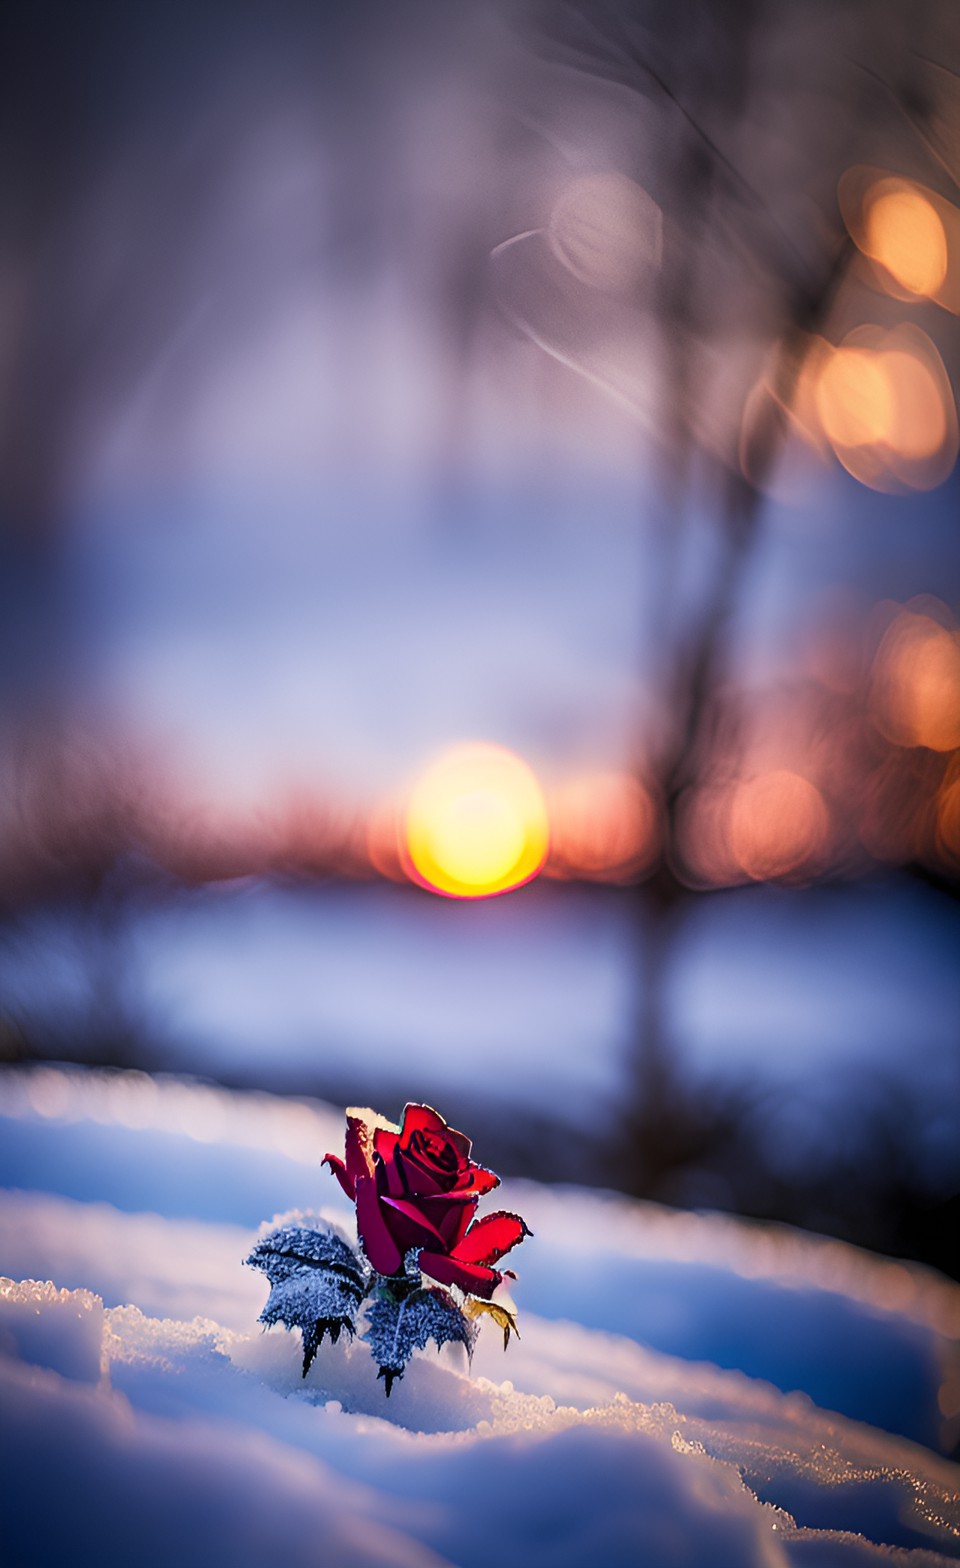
(476, 823)
(384, 841)
(909, 233)
(948, 820)
(778, 824)
(915, 685)
(904, 233)
(919, 424)
(601, 825)
(854, 398)
(884, 402)
(705, 859)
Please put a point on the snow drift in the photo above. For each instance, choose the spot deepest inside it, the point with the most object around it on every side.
(657, 1408)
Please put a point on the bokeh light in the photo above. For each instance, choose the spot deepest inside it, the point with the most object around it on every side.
(915, 683)
(855, 398)
(778, 825)
(602, 827)
(476, 823)
(772, 825)
(948, 820)
(919, 422)
(896, 806)
(607, 231)
(385, 841)
(909, 234)
(884, 403)
(904, 233)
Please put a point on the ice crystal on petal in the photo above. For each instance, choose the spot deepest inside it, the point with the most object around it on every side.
(398, 1327)
(317, 1282)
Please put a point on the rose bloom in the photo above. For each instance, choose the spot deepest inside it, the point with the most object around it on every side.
(415, 1186)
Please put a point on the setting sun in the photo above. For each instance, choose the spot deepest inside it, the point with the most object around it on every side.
(476, 823)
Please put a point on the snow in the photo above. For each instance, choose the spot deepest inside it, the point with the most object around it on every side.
(656, 1410)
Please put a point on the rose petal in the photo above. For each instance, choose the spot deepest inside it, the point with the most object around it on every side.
(384, 1142)
(378, 1244)
(405, 1233)
(488, 1239)
(411, 1212)
(359, 1142)
(385, 1148)
(477, 1179)
(423, 1118)
(343, 1176)
(470, 1277)
(449, 1218)
(418, 1179)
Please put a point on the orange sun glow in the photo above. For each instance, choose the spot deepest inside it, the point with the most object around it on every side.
(476, 823)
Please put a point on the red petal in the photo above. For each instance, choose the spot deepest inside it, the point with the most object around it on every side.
(450, 1218)
(385, 1146)
(418, 1180)
(477, 1179)
(378, 1243)
(423, 1118)
(488, 1239)
(444, 1200)
(340, 1171)
(416, 1216)
(359, 1144)
(470, 1277)
(385, 1142)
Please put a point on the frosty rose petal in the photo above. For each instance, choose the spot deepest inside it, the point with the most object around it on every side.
(415, 1186)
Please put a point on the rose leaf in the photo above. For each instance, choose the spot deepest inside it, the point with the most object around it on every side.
(396, 1328)
(501, 1316)
(317, 1281)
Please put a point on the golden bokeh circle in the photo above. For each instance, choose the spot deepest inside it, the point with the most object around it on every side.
(476, 823)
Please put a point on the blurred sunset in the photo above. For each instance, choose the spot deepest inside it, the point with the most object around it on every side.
(479, 765)
(480, 581)
(476, 823)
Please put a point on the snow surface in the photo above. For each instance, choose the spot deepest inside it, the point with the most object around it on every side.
(658, 1407)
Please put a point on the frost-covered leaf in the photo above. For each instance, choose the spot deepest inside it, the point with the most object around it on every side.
(504, 1318)
(307, 1241)
(317, 1281)
(395, 1329)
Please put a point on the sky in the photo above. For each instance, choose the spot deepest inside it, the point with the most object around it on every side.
(371, 421)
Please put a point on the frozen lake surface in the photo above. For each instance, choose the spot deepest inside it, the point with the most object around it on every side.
(532, 998)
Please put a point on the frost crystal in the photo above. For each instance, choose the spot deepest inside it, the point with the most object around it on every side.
(395, 1328)
(317, 1282)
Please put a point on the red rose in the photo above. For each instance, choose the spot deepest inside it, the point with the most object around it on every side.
(416, 1186)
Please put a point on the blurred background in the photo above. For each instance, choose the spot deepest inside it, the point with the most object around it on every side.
(479, 576)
